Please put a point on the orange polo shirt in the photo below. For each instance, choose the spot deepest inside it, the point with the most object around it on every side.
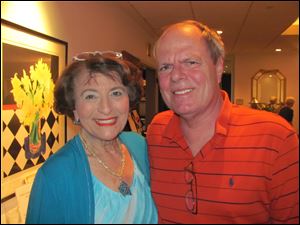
(247, 173)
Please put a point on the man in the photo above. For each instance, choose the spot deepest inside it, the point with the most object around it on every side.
(287, 111)
(212, 161)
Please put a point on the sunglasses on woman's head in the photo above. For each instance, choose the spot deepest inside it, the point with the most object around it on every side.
(87, 55)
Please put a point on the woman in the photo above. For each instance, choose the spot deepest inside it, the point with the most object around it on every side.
(102, 174)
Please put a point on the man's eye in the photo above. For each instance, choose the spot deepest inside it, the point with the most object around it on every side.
(165, 68)
(191, 62)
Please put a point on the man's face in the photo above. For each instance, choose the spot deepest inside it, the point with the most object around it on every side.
(188, 78)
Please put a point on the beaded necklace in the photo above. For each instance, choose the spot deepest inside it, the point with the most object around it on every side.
(123, 186)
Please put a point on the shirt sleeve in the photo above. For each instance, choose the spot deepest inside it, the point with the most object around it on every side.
(284, 192)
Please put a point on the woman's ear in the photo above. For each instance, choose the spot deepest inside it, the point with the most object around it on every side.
(76, 118)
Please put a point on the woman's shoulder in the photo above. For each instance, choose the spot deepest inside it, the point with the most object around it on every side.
(135, 142)
(63, 158)
(131, 136)
(137, 146)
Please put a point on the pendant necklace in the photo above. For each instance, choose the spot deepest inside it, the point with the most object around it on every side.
(123, 186)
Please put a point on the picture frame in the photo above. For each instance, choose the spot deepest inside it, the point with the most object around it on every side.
(25, 52)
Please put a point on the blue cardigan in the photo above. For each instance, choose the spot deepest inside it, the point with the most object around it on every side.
(63, 190)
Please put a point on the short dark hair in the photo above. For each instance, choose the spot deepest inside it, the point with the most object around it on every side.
(64, 102)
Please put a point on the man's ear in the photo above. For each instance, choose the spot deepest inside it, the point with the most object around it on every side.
(219, 69)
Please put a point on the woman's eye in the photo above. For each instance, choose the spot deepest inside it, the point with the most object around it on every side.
(117, 93)
(90, 97)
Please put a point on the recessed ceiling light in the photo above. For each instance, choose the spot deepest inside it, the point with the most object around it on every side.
(219, 32)
(278, 50)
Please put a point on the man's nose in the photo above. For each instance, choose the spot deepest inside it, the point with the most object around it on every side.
(178, 73)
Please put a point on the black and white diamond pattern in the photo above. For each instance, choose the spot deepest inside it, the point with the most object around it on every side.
(14, 132)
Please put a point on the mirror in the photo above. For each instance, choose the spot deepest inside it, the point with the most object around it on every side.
(268, 85)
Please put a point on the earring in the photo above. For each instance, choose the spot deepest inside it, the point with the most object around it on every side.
(76, 121)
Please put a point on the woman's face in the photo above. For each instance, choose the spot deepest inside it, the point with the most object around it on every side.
(101, 105)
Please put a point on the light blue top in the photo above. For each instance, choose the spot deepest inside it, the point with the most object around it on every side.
(113, 208)
(63, 191)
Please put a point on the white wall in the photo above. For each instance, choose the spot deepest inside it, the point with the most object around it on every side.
(89, 26)
(86, 26)
(247, 65)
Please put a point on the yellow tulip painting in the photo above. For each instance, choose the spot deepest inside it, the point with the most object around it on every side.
(33, 95)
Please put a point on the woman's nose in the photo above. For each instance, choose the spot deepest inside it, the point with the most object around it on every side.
(104, 106)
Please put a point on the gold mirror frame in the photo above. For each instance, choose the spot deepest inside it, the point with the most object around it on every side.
(267, 85)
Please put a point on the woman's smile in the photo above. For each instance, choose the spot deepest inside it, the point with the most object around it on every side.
(106, 122)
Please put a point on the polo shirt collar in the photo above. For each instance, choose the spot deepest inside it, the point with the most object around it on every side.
(174, 133)
(222, 123)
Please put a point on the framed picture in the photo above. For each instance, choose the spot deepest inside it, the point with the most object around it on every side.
(30, 129)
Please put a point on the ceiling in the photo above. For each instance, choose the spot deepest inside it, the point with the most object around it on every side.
(248, 26)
